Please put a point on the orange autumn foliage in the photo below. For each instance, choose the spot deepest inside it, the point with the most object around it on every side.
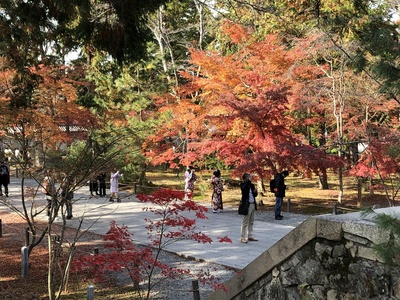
(237, 108)
(52, 111)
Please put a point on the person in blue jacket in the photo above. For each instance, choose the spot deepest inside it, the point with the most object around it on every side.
(279, 190)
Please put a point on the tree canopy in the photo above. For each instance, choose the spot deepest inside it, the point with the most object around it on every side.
(259, 85)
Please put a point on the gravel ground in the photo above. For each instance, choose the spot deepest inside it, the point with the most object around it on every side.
(181, 289)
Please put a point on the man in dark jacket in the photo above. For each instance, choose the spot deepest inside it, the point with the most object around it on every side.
(102, 183)
(4, 178)
(249, 194)
(279, 190)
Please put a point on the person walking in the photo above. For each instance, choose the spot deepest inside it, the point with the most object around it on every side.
(49, 189)
(279, 190)
(94, 186)
(4, 178)
(190, 178)
(216, 181)
(67, 195)
(248, 201)
(114, 181)
(101, 178)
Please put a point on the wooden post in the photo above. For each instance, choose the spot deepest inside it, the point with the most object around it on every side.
(195, 289)
(24, 256)
(90, 292)
(134, 187)
(288, 205)
(335, 209)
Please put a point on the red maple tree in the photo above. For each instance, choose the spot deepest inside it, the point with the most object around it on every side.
(237, 108)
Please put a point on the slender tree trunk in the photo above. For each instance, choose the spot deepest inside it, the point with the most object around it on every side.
(50, 275)
(323, 181)
(337, 94)
(359, 191)
(199, 7)
(370, 186)
(340, 195)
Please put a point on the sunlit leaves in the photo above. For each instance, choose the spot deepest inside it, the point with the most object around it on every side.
(52, 113)
(239, 107)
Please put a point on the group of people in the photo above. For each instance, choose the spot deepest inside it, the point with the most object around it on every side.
(248, 203)
(97, 185)
(53, 199)
(247, 206)
(67, 185)
(217, 186)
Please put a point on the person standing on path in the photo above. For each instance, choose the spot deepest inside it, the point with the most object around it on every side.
(279, 190)
(114, 181)
(101, 178)
(93, 186)
(249, 194)
(216, 181)
(190, 178)
(4, 178)
(49, 189)
(67, 195)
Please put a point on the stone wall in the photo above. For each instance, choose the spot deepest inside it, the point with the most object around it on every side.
(326, 257)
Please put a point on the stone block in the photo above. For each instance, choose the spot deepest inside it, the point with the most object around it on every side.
(258, 267)
(338, 250)
(332, 295)
(396, 288)
(321, 250)
(329, 229)
(352, 248)
(293, 241)
(356, 239)
(366, 230)
(368, 253)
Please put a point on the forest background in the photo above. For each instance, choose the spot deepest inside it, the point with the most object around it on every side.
(242, 86)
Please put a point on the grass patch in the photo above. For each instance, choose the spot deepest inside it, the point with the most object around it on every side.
(305, 195)
(115, 293)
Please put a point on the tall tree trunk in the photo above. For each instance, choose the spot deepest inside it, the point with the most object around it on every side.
(340, 195)
(359, 191)
(323, 180)
(50, 274)
(199, 7)
(156, 25)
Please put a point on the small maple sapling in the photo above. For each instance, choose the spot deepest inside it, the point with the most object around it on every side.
(143, 263)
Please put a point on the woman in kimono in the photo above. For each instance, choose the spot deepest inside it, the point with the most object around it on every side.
(190, 178)
(216, 181)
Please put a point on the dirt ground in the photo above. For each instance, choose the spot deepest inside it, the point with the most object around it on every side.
(11, 281)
